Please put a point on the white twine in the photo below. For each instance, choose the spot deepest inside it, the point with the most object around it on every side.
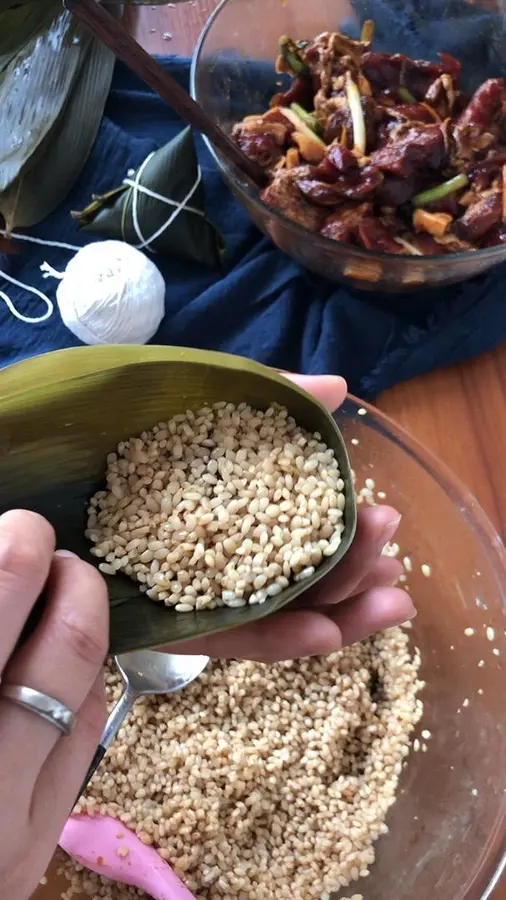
(10, 305)
(30, 320)
(144, 243)
(34, 240)
(49, 272)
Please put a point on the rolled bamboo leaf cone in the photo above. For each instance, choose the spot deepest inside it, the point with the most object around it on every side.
(62, 413)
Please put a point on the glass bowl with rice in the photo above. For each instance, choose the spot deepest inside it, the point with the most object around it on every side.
(281, 781)
(371, 179)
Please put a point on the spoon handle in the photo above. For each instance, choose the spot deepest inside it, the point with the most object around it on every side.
(116, 718)
(97, 759)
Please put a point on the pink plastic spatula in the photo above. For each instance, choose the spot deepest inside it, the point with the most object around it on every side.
(107, 847)
(101, 843)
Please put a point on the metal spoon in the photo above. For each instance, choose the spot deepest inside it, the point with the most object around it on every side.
(144, 672)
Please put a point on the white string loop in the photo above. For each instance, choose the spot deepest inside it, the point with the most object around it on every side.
(32, 290)
(31, 320)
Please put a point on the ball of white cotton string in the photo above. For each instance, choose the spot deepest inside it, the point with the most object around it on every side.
(111, 293)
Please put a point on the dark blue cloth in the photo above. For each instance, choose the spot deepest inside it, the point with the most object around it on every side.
(261, 304)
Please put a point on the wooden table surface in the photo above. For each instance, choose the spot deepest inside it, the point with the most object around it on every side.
(456, 411)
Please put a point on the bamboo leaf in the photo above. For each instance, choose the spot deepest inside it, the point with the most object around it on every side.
(51, 59)
(56, 165)
(16, 4)
(59, 125)
(57, 431)
(20, 25)
(171, 172)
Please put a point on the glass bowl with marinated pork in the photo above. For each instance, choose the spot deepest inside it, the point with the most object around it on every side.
(380, 129)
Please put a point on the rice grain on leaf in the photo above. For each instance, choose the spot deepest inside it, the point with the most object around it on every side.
(223, 506)
(60, 433)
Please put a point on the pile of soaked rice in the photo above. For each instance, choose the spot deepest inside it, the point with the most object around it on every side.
(263, 782)
(220, 507)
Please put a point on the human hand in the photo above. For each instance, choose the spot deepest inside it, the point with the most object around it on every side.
(356, 599)
(41, 770)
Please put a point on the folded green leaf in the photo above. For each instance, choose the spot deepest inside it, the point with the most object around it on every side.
(15, 4)
(47, 135)
(35, 90)
(22, 4)
(172, 172)
(59, 431)
(21, 24)
(56, 165)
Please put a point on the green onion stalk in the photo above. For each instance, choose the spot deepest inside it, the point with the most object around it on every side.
(405, 95)
(306, 117)
(441, 190)
(357, 114)
(291, 54)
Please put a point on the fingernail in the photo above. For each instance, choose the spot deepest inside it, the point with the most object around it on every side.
(66, 554)
(389, 530)
(412, 614)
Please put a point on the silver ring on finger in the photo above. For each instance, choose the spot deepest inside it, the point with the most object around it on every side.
(41, 704)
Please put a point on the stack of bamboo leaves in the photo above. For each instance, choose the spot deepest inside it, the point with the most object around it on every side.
(54, 81)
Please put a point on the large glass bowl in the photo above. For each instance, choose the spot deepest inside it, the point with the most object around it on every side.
(233, 76)
(447, 827)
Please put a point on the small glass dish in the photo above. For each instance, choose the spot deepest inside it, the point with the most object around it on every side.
(233, 76)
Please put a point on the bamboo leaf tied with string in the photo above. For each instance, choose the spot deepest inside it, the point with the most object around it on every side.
(160, 207)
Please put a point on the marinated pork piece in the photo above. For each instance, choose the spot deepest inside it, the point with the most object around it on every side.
(382, 151)
(284, 195)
